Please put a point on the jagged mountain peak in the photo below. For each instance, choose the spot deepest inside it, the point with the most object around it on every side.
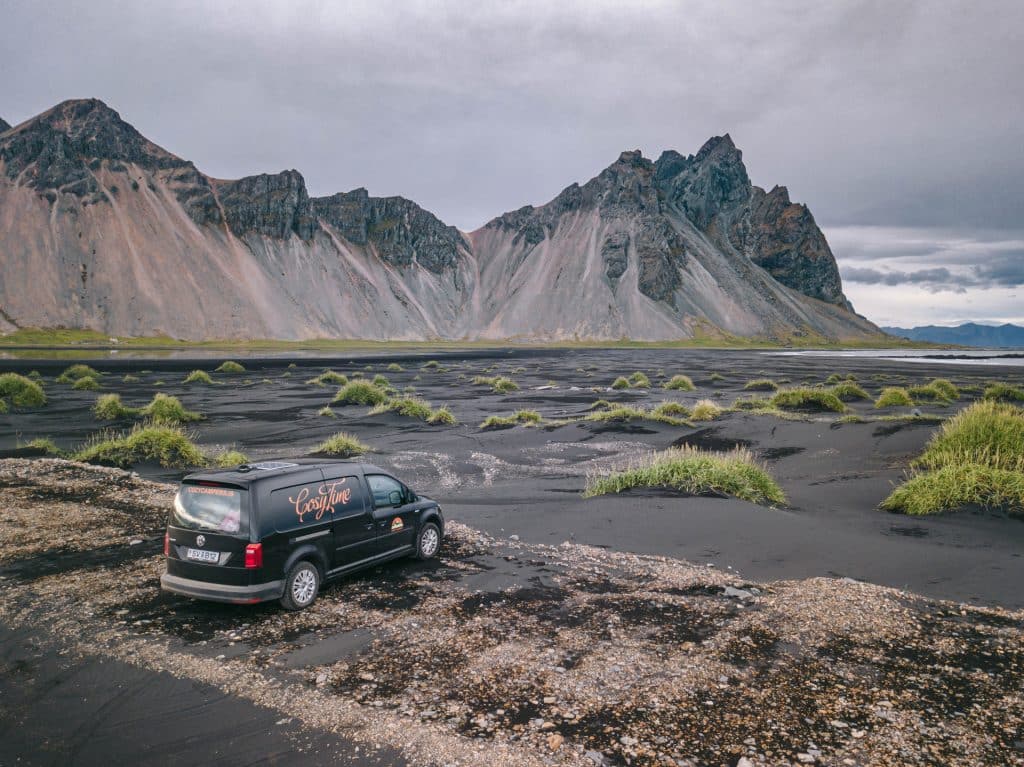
(4, 125)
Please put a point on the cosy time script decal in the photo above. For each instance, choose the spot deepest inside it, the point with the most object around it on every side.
(328, 495)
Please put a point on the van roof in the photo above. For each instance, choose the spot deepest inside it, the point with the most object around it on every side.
(249, 473)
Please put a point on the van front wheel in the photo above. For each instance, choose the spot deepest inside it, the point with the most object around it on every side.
(428, 543)
(301, 586)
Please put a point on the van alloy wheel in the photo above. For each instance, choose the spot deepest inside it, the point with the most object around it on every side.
(429, 541)
(301, 586)
(304, 587)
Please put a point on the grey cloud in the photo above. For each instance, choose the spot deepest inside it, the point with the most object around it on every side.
(1006, 270)
(938, 278)
(473, 109)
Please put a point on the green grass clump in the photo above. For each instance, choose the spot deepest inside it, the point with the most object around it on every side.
(499, 384)
(169, 446)
(716, 377)
(694, 472)
(761, 384)
(48, 446)
(527, 416)
(848, 391)
(601, 404)
(394, 367)
(927, 393)
(165, 409)
(109, 407)
(507, 421)
(430, 365)
(1003, 392)
(975, 458)
(705, 410)
(381, 381)
(200, 377)
(851, 418)
(23, 391)
(342, 445)
(129, 378)
(442, 417)
(835, 378)
(639, 381)
(620, 413)
(326, 412)
(329, 377)
(86, 383)
(948, 388)
(76, 372)
(411, 407)
(893, 396)
(620, 383)
(816, 400)
(752, 403)
(679, 383)
(230, 459)
(359, 393)
(671, 410)
(3, 405)
(230, 367)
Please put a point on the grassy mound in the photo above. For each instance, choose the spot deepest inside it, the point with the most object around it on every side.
(679, 383)
(199, 376)
(848, 391)
(359, 393)
(442, 417)
(381, 381)
(230, 367)
(813, 400)
(639, 381)
(507, 421)
(3, 406)
(394, 367)
(341, 445)
(928, 393)
(329, 377)
(86, 383)
(109, 407)
(165, 409)
(23, 391)
(75, 372)
(410, 407)
(976, 458)
(230, 459)
(695, 472)
(499, 384)
(671, 410)
(326, 412)
(167, 445)
(430, 365)
(619, 413)
(752, 403)
(761, 384)
(705, 410)
(948, 388)
(894, 396)
(1002, 392)
(601, 404)
(620, 383)
(129, 378)
(48, 446)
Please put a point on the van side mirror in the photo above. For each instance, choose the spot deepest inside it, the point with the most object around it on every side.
(395, 498)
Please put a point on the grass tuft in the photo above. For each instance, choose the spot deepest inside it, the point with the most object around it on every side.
(442, 417)
(48, 446)
(329, 377)
(848, 391)
(109, 407)
(394, 367)
(975, 458)
(129, 378)
(752, 402)
(23, 391)
(341, 445)
(705, 410)
(200, 377)
(813, 400)
(507, 421)
(679, 383)
(499, 384)
(639, 381)
(169, 446)
(231, 367)
(165, 409)
(894, 396)
(326, 412)
(229, 459)
(86, 383)
(1003, 392)
(761, 384)
(620, 383)
(76, 372)
(694, 472)
(359, 393)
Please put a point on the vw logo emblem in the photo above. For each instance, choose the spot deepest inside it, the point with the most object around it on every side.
(200, 540)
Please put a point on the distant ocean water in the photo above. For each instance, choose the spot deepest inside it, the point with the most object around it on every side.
(992, 357)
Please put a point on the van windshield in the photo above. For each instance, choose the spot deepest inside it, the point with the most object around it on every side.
(218, 509)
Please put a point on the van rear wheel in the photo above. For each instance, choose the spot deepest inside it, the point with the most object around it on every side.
(301, 586)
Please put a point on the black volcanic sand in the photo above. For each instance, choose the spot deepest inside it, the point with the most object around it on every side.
(527, 481)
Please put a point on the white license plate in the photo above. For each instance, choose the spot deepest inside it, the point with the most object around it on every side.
(201, 555)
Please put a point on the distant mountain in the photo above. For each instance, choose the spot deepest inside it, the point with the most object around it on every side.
(969, 334)
(4, 125)
(100, 228)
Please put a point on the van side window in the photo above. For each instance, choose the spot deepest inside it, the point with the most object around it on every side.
(314, 503)
(381, 487)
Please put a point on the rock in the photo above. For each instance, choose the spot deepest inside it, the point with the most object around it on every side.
(737, 593)
(549, 699)
(513, 537)
(595, 756)
(628, 740)
(805, 758)
(555, 741)
(744, 762)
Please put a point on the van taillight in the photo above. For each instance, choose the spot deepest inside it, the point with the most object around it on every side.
(254, 555)
(167, 544)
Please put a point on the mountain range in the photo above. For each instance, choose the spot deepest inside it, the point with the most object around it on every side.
(100, 228)
(969, 334)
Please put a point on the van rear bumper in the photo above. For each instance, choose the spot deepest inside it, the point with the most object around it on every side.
(219, 592)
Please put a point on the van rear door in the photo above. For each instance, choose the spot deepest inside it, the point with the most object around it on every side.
(208, 532)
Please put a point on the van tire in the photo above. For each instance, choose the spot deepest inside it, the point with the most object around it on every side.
(301, 586)
(428, 542)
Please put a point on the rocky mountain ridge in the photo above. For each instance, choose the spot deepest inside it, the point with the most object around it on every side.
(101, 228)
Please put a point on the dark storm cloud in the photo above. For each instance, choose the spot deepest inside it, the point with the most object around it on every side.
(933, 277)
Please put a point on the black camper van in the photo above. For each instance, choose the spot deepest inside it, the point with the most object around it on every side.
(278, 530)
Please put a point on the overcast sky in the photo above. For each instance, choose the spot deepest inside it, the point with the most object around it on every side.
(901, 124)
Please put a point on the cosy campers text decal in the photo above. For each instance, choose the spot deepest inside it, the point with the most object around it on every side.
(311, 506)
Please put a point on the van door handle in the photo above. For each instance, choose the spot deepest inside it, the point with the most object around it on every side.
(369, 526)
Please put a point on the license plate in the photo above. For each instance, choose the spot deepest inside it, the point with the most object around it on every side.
(201, 555)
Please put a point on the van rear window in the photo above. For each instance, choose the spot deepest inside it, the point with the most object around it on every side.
(218, 509)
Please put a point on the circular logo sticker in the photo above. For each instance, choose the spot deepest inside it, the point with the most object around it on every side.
(397, 524)
(200, 541)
